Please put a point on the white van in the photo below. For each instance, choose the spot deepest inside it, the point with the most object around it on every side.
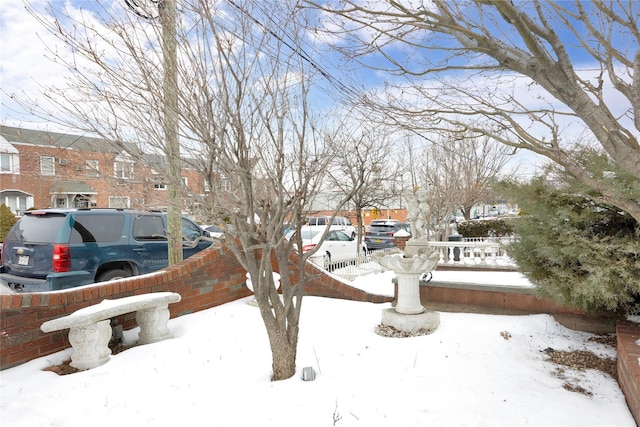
(338, 223)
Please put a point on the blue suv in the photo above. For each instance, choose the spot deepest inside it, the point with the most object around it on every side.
(52, 249)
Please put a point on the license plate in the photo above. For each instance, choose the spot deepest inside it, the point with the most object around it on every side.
(377, 240)
(23, 260)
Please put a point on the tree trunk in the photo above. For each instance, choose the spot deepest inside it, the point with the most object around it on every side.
(171, 144)
(283, 355)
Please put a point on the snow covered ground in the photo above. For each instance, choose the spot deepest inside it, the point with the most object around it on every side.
(474, 370)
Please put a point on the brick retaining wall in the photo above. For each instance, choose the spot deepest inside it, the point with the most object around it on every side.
(468, 297)
(207, 279)
(628, 337)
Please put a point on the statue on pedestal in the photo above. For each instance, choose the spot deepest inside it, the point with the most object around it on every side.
(418, 212)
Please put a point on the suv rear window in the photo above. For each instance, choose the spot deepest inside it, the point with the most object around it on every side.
(37, 228)
(383, 228)
(89, 228)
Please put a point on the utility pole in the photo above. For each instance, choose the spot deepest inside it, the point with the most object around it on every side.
(167, 10)
(173, 168)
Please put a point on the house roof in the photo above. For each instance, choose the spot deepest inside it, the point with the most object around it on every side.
(46, 138)
(16, 135)
(72, 187)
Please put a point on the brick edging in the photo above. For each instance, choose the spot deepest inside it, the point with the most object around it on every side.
(207, 279)
(628, 336)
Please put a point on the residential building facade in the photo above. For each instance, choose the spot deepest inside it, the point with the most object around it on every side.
(40, 169)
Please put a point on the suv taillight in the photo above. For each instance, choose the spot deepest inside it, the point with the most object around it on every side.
(61, 260)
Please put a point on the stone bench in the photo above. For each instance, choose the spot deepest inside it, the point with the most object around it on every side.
(90, 329)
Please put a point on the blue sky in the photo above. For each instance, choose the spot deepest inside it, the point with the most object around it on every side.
(26, 68)
(24, 65)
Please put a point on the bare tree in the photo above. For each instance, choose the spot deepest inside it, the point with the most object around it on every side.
(525, 73)
(455, 174)
(251, 113)
(244, 121)
(364, 161)
(471, 166)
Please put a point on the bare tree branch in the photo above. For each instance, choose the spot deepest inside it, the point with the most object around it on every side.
(526, 73)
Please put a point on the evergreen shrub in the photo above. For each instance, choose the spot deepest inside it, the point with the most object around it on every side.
(7, 219)
(580, 253)
(486, 228)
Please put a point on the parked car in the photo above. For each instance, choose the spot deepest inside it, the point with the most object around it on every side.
(337, 247)
(380, 233)
(338, 223)
(52, 249)
(217, 231)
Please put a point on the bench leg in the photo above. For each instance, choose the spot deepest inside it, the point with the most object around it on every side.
(90, 345)
(153, 324)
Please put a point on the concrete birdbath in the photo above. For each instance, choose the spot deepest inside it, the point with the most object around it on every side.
(409, 316)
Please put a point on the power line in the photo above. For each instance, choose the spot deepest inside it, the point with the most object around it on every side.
(298, 50)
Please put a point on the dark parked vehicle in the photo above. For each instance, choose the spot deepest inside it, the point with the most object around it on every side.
(380, 233)
(52, 249)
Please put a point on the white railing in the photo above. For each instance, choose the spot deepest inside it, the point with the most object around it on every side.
(475, 253)
(485, 253)
(350, 269)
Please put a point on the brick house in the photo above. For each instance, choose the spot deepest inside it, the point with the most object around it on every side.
(47, 169)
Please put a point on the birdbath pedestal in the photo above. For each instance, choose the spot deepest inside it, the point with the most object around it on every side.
(409, 315)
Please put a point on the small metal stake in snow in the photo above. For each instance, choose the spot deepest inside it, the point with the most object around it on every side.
(308, 374)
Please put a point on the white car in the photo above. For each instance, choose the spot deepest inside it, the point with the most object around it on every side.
(337, 247)
(338, 223)
(217, 231)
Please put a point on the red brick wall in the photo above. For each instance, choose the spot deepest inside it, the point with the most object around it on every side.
(509, 300)
(628, 333)
(140, 190)
(207, 279)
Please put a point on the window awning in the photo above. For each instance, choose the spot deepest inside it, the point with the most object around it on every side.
(14, 193)
(72, 187)
(6, 147)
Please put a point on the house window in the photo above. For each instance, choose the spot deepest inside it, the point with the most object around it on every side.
(8, 163)
(81, 202)
(5, 163)
(119, 202)
(225, 184)
(123, 168)
(47, 165)
(91, 167)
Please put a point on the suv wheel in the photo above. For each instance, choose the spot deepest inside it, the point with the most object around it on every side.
(113, 275)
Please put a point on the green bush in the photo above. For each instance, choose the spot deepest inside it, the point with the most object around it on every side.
(579, 253)
(7, 219)
(485, 228)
